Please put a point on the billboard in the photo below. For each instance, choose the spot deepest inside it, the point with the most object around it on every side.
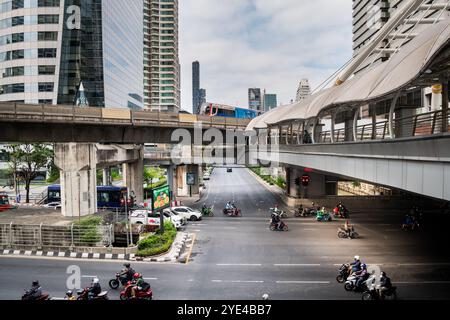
(160, 198)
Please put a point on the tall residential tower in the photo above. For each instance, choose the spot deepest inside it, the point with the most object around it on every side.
(161, 60)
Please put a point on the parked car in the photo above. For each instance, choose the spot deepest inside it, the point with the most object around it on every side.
(206, 176)
(188, 213)
(230, 170)
(147, 217)
(53, 205)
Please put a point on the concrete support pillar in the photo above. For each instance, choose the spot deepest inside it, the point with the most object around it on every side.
(133, 177)
(106, 177)
(349, 130)
(445, 88)
(404, 128)
(78, 165)
(292, 190)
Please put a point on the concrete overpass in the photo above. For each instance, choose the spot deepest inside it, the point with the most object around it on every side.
(48, 123)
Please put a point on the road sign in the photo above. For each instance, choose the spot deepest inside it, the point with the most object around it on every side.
(191, 178)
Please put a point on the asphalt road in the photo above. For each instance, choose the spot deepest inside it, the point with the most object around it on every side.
(241, 259)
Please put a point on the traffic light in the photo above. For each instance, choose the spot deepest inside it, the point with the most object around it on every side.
(306, 179)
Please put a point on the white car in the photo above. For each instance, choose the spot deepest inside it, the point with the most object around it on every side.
(147, 217)
(53, 205)
(188, 213)
(206, 176)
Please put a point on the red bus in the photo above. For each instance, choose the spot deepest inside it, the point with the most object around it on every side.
(4, 202)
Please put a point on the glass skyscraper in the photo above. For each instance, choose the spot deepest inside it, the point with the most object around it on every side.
(49, 52)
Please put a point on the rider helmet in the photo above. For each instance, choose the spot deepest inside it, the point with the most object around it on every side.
(69, 293)
(137, 275)
(35, 283)
(126, 265)
(383, 274)
(356, 257)
(364, 266)
(95, 281)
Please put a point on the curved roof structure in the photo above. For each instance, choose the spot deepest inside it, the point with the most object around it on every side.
(407, 65)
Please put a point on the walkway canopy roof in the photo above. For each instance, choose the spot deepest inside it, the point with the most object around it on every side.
(409, 64)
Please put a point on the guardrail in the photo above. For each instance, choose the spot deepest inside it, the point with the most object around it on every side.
(418, 125)
(69, 114)
(42, 236)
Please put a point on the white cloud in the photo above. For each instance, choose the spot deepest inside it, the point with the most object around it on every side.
(269, 44)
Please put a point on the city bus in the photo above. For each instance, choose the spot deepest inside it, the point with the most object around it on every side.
(107, 196)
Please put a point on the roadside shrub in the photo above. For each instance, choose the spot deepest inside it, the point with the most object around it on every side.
(157, 243)
(86, 230)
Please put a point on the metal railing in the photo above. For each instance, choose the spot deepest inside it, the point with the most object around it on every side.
(69, 114)
(418, 125)
(44, 236)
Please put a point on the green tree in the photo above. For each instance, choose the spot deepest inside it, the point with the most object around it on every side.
(26, 160)
(151, 174)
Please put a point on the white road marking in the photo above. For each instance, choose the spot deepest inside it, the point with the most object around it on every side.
(237, 281)
(150, 278)
(238, 265)
(425, 264)
(303, 282)
(297, 265)
(422, 282)
(86, 276)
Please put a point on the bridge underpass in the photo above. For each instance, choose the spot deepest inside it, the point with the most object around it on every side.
(418, 165)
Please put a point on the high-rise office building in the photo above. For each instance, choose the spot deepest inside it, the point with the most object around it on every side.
(61, 52)
(196, 87)
(303, 91)
(270, 101)
(255, 99)
(161, 59)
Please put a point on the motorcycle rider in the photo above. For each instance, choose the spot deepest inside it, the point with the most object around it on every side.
(95, 289)
(70, 296)
(348, 228)
(356, 264)
(35, 291)
(385, 284)
(301, 210)
(228, 206)
(362, 276)
(276, 220)
(138, 282)
(128, 272)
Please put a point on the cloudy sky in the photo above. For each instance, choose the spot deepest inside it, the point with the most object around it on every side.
(268, 44)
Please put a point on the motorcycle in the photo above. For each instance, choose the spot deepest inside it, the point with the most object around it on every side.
(282, 227)
(374, 294)
(341, 212)
(83, 294)
(145, 294)
(234, 212)
(413, 226)
(119, 280)
(27, 296)
(342, 234)
(350, 284)
(323, 216)
(207, 212)
(344, 273)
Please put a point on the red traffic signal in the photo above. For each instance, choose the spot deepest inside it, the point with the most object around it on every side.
(306, 179)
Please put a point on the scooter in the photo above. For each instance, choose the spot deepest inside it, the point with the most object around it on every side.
(374, 294)
(83, 294)
(207, 212)
(350, 284)
(26, 296)
(323, 217)
(145, 294)
(282, 227)
(235, 212)
(342, 234)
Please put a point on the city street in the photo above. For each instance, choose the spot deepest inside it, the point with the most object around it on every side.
(241, 259)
